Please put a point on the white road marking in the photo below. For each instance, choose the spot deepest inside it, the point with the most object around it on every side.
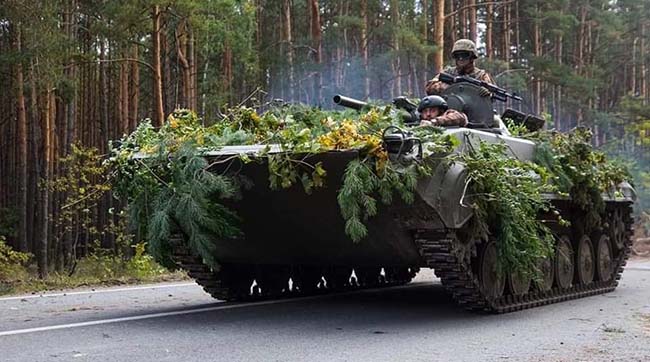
(113, 290)
(192, 311)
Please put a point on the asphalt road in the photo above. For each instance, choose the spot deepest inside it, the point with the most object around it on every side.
(418, 322)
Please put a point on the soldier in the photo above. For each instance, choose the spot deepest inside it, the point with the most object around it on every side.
(434, 112)
(464, 53)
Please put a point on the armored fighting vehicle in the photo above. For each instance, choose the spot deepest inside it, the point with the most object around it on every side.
(295, 244)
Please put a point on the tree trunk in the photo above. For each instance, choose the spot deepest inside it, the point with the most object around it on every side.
(124, 96)
(558, 98)
(191, 58)
(364, 48)
(104, 96)
(644, 78)
(397, 83)
(473, 33)
(439, 35)
(158, 110)
(21, 146)
(537, 52)
(489, 47)
(46, 132)
(134, 96)
(227, 71)
(462, 18)
(453, 27)
(34, 169)
(316, 37)
(579, 56)
(170, 94)
(517, 33)
(71, 75)
(634, 66)
(288, 44)
(181, 50)
(425, 40)
(506, 33)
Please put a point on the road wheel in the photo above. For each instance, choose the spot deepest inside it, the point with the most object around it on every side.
(518, 282)
(585, 260)
(564, 266)
(547, 273)
(604, 260)
(491, 278)
(617, 231)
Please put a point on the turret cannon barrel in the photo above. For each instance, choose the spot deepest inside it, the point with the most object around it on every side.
(349, 102)
(407, 109)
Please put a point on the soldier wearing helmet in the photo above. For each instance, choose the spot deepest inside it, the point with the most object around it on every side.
(434, 112)
(464, 52)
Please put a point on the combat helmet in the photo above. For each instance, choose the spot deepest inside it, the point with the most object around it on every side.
(432, 101)
(465, 45)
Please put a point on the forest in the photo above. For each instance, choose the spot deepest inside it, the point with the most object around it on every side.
(77, 75)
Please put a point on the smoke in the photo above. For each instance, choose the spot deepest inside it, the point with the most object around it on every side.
(317, 84)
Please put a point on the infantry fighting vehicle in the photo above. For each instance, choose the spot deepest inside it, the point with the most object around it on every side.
(295, 244)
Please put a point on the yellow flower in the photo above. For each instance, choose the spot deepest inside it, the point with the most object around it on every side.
(255, 118)
(173, 122)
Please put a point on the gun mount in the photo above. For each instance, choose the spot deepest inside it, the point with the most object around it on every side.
(464, 94)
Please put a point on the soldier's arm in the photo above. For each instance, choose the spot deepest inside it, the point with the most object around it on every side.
(452, 118)
(486, 77)
(435, 86)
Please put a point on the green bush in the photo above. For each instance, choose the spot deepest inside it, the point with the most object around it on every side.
(13, 265)
(102, 267)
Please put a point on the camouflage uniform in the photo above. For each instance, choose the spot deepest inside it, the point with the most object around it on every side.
(451, 118)
(435, 86)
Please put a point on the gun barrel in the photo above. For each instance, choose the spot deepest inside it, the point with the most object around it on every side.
(446, 78)
(349, 102)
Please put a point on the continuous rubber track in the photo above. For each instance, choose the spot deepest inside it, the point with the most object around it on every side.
(437, 246)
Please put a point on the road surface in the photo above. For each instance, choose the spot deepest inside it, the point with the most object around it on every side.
(417, 322)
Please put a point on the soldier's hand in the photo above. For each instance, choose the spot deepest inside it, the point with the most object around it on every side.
(429, 122)
(484, 92)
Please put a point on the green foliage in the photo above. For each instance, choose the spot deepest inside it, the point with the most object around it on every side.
(8, 220)
(84, 183)
(633, 145)
(174, 184)
(361, 183)
(171, 186)
(506, 195)
(580, 171)
(12, 263)
(18, 274)
(105, 265)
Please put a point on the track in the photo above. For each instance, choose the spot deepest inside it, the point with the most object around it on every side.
(437, 248)
(459, 278)
(235, 282)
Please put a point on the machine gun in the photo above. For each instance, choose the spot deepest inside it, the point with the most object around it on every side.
(464, 94)
(497, 92)
(410, 114)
